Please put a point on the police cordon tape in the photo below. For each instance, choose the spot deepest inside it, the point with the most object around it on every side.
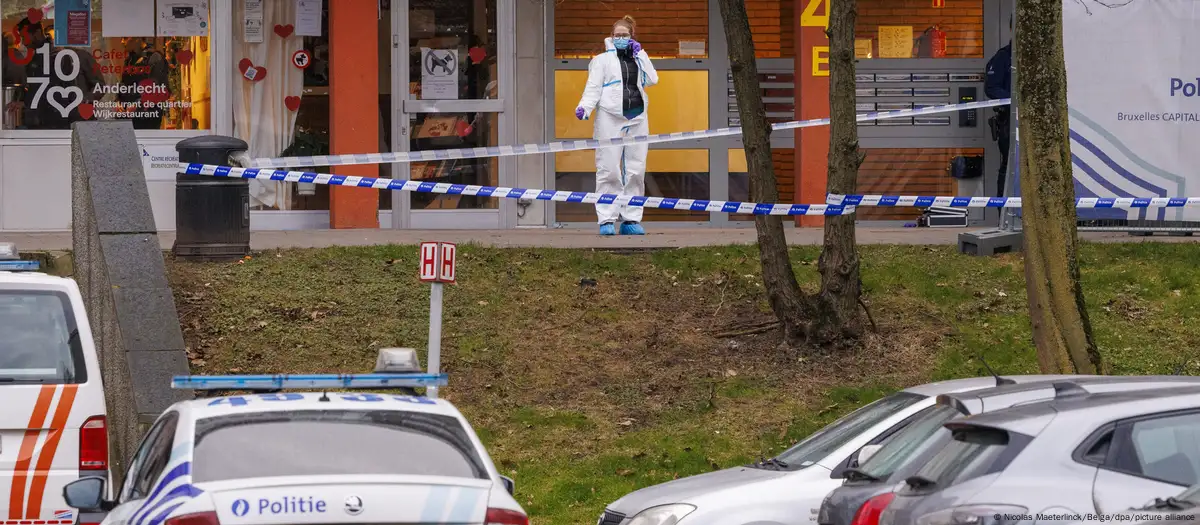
(577, 145)
(1005, 202)
(380, 183)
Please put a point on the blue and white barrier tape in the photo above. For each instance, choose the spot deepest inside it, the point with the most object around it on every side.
(746, 208)
(576, 145)
(1005, 202)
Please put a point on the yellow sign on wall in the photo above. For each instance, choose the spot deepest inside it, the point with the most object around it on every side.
(895, 41)
(818, 60)
(862, 48)
(815, 14)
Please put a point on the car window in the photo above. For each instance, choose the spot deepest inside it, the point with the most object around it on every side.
(1168, 448)
(137, 466)
(332, 442)
(909, 443)
(39, 342)
(157, 457)
(971, 453)
(824, 442)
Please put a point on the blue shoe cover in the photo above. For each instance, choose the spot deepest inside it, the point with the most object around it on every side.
(608, 229)
(632, 228)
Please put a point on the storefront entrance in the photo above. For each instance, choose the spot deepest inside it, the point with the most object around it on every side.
(452, 67)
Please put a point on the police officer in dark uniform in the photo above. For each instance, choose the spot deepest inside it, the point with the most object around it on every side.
(999, 86)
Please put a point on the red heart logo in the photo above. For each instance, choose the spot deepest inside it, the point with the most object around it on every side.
(184, 57)
(150, 95)
(35, 15)
(477, 54)
(284, 31)
(245, 64)
(292, 103)
(87, 110)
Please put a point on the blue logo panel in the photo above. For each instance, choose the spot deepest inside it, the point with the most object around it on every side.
(241, 507)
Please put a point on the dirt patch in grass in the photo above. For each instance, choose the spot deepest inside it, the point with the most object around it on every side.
(590, 374)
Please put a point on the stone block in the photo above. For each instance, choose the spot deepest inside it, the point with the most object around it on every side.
(151, 374)
(134, 261)
(122, 205)
(148, 319)
(107, 149)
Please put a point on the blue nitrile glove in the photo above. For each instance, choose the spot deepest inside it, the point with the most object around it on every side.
(635, 47)
(579, 113)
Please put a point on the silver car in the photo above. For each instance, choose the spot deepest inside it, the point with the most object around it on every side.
(868, 489)
(787, 489)
(1079, 457)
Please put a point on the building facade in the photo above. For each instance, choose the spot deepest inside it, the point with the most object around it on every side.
(302, 77)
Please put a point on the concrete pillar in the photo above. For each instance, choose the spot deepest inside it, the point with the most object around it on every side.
(530, 91)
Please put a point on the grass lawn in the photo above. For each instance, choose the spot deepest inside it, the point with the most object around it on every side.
(583, 392)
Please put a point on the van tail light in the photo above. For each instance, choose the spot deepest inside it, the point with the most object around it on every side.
(93, 444)
(868, 514)
(199, 518)
(494, 517)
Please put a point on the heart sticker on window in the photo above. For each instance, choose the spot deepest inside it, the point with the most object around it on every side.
(250, 71)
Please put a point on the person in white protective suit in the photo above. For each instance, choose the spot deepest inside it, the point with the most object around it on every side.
(616, 87)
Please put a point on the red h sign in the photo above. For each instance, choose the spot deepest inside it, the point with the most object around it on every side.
(429, 261)
(446, 273)
(438, 262)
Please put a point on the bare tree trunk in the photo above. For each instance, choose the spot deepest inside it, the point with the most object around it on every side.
(1061, 330)
(838, 317)
(783, 292)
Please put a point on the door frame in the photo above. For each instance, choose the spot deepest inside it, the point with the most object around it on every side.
(504, 216)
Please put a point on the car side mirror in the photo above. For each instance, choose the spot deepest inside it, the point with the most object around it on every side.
(865, 453)
(509, 484)
(87, 494)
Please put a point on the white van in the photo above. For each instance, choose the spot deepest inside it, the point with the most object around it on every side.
(53, 428)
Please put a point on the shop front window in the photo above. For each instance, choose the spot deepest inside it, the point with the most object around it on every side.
(665, 28)
(677, 173)
(73, 60)
(452, 50)
(434, 131)
(281, 94)
(902, 29)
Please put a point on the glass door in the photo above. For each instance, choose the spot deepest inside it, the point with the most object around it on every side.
(451, 89)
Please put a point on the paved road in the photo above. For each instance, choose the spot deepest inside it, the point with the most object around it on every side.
(566, 238)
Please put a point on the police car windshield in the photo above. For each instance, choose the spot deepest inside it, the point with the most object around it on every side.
(333, 442)
(39, 342)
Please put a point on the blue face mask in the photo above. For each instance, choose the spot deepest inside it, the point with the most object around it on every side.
(621, 43)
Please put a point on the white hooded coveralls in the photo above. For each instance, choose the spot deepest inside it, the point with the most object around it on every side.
(620, 170)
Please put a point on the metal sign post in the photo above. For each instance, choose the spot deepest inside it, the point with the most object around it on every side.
(437, 268)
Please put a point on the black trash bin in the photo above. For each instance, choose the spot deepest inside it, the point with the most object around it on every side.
(212, 214)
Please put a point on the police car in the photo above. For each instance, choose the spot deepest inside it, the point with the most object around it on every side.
(276, 457)
(52, 416)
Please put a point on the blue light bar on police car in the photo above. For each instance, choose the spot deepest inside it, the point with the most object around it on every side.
(20, 266)
(313, 381)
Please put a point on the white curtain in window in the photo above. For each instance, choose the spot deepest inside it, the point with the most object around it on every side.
(260, 116)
